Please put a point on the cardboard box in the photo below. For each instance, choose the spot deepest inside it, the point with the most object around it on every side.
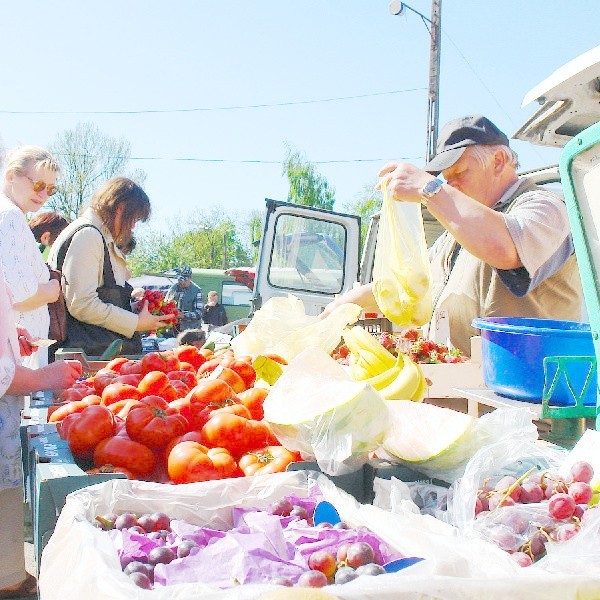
(445, 377)
(50, 483)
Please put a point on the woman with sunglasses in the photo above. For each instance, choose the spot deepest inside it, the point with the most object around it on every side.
(29, 180)
(90, 254)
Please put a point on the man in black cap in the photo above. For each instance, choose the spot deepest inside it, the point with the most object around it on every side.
(507, 249)
(188, 297)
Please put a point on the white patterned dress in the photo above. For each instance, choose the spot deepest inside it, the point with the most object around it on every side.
(10, 406)
(24, 269)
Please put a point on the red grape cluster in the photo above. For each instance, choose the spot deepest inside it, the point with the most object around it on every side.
(157, 305)
(554, 511)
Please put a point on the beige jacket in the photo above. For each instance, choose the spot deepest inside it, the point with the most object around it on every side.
(82, 275)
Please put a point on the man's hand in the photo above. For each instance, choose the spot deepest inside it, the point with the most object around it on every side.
(404, 180)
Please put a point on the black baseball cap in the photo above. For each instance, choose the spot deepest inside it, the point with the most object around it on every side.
(457, 135)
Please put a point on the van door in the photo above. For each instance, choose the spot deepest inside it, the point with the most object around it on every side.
(309, 252)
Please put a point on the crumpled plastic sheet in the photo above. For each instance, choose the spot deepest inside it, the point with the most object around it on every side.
(259, 547)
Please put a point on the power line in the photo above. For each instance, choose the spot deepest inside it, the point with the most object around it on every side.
(244, 161)
(203, 109)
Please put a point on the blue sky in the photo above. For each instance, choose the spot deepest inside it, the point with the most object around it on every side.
(128, 55)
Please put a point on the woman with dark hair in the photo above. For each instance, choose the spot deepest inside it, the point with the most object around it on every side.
(45, 227)
(89, 254)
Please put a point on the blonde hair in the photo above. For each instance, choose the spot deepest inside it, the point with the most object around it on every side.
(21, 157)
(213, 293)
(483, 153)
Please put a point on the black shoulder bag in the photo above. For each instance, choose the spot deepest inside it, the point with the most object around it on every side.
(93, 339)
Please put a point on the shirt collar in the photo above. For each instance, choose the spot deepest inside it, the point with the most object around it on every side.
(94, 218)
(507, 195)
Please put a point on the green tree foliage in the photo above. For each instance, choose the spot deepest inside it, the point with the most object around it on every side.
(307, 186)
(87, 158)
(366, 203)
(208, 241)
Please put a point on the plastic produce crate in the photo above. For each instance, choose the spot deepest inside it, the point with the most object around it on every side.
(580, 175)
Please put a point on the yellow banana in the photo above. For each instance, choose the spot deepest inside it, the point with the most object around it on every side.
(421, 388)
(362, 343)
(406, 385)
(384, 379)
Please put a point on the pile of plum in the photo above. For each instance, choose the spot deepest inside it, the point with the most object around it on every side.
(153, 549)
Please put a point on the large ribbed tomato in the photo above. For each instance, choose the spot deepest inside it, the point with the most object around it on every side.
(190, 461)
(87, 428)
(120, 451)
(272, 459)
(207, 396)
(154, 426)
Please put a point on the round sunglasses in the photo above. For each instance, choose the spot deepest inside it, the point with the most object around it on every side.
(39, 186)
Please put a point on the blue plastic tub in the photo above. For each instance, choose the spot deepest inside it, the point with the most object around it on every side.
(514, 349)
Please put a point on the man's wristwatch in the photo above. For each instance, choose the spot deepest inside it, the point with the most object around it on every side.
(430, 189)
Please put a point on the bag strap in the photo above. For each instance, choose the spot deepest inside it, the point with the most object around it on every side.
(107, 270)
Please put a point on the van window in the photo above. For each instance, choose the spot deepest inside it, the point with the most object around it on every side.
(308, 255)
(235, 294)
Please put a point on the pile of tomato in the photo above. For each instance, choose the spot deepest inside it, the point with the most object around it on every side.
(177, 416)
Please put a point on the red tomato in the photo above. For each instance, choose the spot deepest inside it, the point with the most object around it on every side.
(233, 409)
(236, 434)
(181, 389)
(206, 397)
(90, 426)
(102, 379)
(119, 391)
(132, 379)
(189, 354)
(245, 371)
(182, 406)
(190, 436)
(153, 382)
(272, 459)
(122, 407)
(209, 366)
(190, 461)
(73, 394)
(154, 427)
(131, 367)
(77, 406)
(185, 376)
(111, 469)
(120, 451)
(184, 366)
(170, 393)
(253, 399)
(159, 361)
(230, 377)
(116, 363)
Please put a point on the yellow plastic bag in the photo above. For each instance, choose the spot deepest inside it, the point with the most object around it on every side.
(401, 273)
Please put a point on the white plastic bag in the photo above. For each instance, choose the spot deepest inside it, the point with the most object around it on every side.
(80, 561)
(282, 327)
(315, 408)
(401, 272)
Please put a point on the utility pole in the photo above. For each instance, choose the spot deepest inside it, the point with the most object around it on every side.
(433, 98)
(433, 106)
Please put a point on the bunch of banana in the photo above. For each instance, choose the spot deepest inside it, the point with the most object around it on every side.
(396, 378)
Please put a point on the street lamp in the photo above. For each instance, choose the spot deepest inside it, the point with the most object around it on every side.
(433, 110)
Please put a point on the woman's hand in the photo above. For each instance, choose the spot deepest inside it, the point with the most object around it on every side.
(61, 374)
(25, 346)
(149, 322)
